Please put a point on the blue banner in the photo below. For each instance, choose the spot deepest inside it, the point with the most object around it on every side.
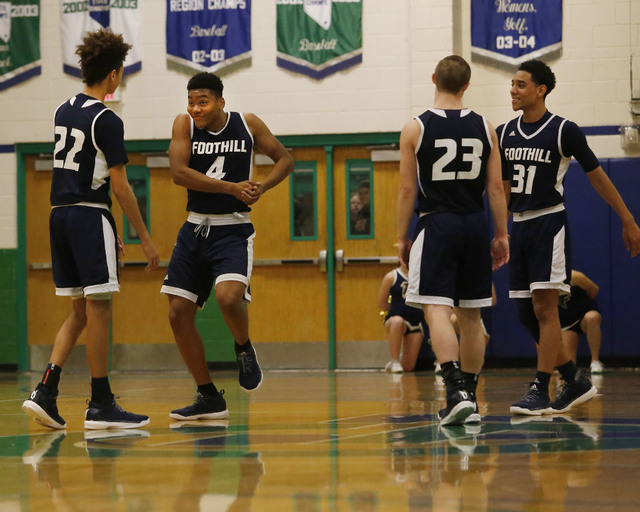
(512, 31)
(208, 35)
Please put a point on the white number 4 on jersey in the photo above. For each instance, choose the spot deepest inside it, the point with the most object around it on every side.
(216, 171)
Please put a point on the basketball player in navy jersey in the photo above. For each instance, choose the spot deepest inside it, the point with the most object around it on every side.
(448, 155)
(211, 154)
(89, 156)
(536, 149)
(404, 324)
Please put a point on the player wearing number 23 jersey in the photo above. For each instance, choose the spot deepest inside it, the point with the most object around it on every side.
(452, 255)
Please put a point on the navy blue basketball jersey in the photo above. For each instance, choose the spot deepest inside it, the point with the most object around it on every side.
(226, 155)
(536, 156)
(89, 139)
(397, 294)
(452, 157)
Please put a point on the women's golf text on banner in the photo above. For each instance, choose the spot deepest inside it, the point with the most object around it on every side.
(319, 37)
(78, 18)
(208, 35)
(512, 31)
(19, 41)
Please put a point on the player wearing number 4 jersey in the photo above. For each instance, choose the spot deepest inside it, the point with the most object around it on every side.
(536, 149)
(450, 154)
(211, 154)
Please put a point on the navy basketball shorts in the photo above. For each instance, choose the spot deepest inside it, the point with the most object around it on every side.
(224, 253)
(84, 252)
(450, 261)
(539, 255)
(571, 312)
(413, 320)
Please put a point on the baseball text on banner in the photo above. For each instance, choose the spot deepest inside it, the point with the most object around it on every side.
(319, 37)
(19, 41)
(78, 18)
(208, 35)
(512, 31)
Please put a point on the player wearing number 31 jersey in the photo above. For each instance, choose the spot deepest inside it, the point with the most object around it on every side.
(536, 149)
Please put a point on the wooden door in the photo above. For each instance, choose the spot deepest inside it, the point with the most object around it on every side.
(314, 293)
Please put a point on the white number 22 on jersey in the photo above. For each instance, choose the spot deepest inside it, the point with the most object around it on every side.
(68, 161)
(216, 171)
(451, 147)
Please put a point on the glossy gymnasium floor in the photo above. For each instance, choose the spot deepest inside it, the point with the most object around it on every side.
(322, 442)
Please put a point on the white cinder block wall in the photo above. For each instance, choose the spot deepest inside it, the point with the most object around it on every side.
(403, 40)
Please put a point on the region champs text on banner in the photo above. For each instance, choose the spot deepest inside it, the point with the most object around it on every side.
(208, 35)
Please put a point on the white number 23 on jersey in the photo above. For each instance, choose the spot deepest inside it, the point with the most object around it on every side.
(474, 157)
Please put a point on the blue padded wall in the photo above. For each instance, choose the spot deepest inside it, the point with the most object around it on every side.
(625, 271)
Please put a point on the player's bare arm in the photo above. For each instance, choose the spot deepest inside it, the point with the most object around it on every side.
(184, 176)
(407, 190)
(268, 144)
(383, 294)
(498, 205)
(581, 280)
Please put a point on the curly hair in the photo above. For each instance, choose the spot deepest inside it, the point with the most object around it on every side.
(541, 74)
(206, 81)
(100, 53)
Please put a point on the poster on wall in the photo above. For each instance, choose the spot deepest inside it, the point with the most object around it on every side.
(512, 31)
(208, 35)
(19, 41)
(318, 37)
(78, 18)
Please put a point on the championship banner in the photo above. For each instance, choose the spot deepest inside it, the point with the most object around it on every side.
(318, 37)
(78, 18)
(208, 35)
(512, 31)
(19, 41)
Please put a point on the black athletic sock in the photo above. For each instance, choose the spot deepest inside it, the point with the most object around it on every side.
(471, 381)
(453, 377)
(568, 371)
(543, 379)
(208, 389)
(51, 378)
(242, 348)
(101, 390)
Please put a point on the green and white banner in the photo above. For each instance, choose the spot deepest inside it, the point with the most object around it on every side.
(318, 37)
(19, 41)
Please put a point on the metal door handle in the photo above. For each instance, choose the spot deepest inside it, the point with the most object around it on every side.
(339, 260)
(323, 260)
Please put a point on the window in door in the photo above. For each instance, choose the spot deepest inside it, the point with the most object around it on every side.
(303, 204)
(138, 177)
(359, 185)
